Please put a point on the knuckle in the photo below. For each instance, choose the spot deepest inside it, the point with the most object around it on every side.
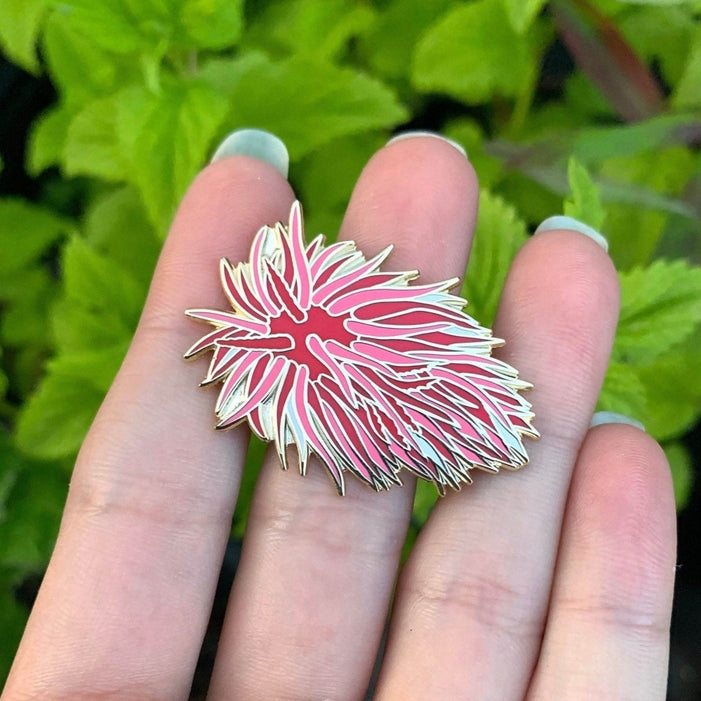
(479, 600)
(630, 616)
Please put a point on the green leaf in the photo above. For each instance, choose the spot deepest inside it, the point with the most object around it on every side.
(46, 139)
(26, 230)
(27, 369)
(309, 27)
(152, 27)
(117, 226)
(595, 144)
(94, 368)
(687, 94)
(645, 197)
(623, 392)
(3, 391)
(554, 124)
(120, 26)
(165, 139)
(213, 24)
(634, 232)
(254, 461)
(13, 618)
(101, 303)
(29, 518)
(521, 13)
(661, 3)
(583, 97)
(473, 53)
(24, 321)
(224, 74)
(660, 33)
(91, 146)
(98, 282)
(659, 309)
(20, 24)
(389, 45)
(539, 165)
(585, 201)
(325, 199)
(498, 236)
(31, 499)
(467, 133)
(9, 465)
(673, 389)
(601, 52)
(78, 66)
(533, 201)
(306, 102)
(680, 464)
(424, 500)
(54, 421)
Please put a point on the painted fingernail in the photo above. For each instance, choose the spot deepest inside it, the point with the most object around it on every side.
(562, 222)
(414, 134)
(255, 143)
(611, 417)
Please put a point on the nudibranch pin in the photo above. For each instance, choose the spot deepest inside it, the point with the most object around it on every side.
(324, 351)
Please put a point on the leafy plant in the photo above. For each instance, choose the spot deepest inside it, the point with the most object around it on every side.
(146, 88)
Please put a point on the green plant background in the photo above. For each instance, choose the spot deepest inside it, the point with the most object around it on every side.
(146, 88)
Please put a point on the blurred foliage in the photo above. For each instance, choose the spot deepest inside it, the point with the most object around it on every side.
(146, 88)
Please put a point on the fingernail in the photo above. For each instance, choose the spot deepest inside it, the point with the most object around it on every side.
(611, 417)
(562, 222)
(255, 143)
(413, 134)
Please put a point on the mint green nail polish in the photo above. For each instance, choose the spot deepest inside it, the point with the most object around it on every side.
(611, 417)
(414, 134)
(255, 143)
(563, 222)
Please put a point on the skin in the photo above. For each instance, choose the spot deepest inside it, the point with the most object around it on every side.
(551, 582)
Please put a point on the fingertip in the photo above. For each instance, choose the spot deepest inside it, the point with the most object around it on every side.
(241, 184)
(226, 203)
(576, 275)
(428, 152)
(421, 193)
(624, 492)
(628, 450)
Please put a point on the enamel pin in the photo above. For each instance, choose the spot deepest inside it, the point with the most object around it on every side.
(324, 352)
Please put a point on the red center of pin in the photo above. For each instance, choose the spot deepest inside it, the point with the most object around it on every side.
(319, 322)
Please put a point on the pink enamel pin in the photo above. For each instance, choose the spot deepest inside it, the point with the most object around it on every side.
(325, 352)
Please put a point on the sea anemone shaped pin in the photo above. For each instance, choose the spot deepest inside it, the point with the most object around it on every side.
(325, 352)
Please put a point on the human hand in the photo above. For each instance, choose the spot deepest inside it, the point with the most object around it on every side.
(554, 582)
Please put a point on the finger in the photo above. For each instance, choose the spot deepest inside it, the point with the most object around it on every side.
(126, 598)
(311, 594)
(607, 635)
(476, 585)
